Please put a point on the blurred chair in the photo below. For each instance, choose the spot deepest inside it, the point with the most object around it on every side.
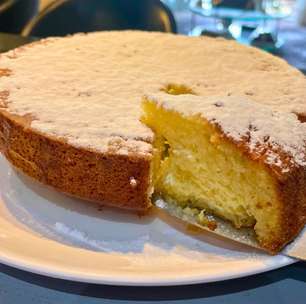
(64, 17)
(14, 14)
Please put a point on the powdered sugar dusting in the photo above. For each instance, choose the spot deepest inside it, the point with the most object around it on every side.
(87, 88)
(266, 131)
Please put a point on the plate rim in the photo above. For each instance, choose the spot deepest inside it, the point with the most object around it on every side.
(132, 280)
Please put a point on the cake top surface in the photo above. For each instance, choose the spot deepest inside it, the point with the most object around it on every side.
(279, 138)
(87, 88)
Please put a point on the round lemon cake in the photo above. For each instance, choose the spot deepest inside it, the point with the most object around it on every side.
(70, 107)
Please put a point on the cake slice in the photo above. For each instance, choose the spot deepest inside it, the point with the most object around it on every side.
(232, 158)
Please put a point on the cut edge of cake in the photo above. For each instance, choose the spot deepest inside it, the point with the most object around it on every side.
(240, 135)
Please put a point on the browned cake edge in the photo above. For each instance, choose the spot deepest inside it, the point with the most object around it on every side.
(110, 179)
(292, 203)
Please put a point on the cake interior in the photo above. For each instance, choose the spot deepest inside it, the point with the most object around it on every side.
(194, 166)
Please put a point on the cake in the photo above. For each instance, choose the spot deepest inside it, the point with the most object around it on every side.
(70, 107)
(233, 158)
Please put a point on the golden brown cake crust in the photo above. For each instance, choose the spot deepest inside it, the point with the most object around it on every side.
(292, 194)
(116, 180)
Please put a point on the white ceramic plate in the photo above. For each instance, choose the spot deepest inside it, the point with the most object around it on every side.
(48, 233)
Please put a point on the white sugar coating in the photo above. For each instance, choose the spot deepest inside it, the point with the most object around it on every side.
(239, 118)
(87, 88)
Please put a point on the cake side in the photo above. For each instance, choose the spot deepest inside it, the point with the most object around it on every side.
(106, 178)
(292, 195)
(236, 162)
